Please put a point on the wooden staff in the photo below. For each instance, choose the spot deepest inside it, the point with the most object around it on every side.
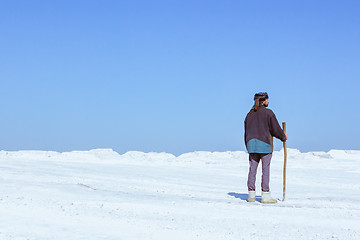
(285, 159)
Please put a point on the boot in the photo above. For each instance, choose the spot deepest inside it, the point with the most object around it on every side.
(266, 198)
(252, 196)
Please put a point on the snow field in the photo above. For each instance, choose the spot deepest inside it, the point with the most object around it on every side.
(100, 194)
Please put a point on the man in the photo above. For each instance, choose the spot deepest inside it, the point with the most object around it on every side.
(261, 126)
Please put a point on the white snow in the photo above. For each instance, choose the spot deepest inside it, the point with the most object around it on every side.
(100, 194)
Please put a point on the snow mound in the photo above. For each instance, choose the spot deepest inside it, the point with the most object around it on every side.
(323, 155)
(29, 154)
(212, 157)
(93, 155)
(204, 157)
(151, 156)
(345, 154)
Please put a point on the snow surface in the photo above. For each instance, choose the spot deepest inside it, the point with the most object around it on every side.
(100, 194)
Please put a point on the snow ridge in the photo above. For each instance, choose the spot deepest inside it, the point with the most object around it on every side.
(110, 154)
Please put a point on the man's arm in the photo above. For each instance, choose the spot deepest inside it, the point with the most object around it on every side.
(275, 129)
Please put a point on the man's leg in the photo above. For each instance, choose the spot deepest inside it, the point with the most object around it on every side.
(254, 159)
(265, 179)
(265, 195)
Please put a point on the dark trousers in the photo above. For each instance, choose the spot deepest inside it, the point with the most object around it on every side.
(254, 159)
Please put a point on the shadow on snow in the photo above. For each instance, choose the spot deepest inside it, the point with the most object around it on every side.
(243, 196)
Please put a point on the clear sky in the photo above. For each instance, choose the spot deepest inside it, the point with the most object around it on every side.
(176, 76)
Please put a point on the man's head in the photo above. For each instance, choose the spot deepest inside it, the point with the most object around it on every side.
(261, 98)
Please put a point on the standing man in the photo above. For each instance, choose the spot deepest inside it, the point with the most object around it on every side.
(261, 126)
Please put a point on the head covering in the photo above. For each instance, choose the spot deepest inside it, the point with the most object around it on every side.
(259, 98)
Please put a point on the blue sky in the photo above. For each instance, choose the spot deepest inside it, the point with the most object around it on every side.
(176, 76)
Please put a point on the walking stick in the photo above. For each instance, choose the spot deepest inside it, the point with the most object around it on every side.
(285, 158)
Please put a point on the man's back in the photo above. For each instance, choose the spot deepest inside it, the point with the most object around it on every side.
(260, 128)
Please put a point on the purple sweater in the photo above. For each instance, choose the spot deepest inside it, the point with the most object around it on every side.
(262, 125)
